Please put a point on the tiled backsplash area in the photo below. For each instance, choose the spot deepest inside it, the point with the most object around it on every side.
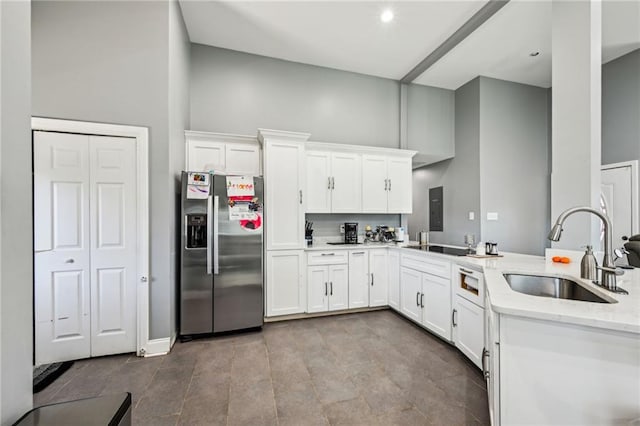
(328, 225)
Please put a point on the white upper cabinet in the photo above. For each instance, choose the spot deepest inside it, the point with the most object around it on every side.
(333, 182)
(285, 190)
(374, 184)
(386, 184)
(399, 185)
(346, 182)
(222, 153)
(318, 181)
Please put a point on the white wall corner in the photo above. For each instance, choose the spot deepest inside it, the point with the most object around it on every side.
(157, 347)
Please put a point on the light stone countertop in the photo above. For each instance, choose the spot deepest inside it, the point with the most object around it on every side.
(624, 315)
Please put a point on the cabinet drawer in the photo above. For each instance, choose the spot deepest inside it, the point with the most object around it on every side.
(441, 268)
(327, 257)
(469, 284)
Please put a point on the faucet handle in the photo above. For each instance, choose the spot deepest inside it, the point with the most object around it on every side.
(615, 271)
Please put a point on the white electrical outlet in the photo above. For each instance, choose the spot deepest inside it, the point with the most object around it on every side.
(342, 228)
(472, 215)
(492, 216)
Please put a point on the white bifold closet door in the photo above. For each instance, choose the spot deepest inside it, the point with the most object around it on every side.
(85, 207)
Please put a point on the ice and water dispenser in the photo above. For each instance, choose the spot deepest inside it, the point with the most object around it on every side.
(196, 231)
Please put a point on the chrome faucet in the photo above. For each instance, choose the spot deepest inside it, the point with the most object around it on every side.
(608, 271)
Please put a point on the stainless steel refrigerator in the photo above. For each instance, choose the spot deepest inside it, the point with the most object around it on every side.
(221, 267)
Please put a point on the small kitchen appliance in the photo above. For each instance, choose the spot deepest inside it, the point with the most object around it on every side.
(351, 233)
(491, 248)
(399, 233)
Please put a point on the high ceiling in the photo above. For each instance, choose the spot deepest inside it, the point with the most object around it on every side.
(350, 36)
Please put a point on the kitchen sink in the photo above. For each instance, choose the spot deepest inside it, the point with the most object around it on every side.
(550, 286)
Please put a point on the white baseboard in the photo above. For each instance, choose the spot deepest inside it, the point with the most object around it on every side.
(156, 347)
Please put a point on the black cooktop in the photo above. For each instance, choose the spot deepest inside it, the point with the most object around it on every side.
(444, 250)
(342, 243)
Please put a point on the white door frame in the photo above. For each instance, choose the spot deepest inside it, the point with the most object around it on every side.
(141, 135)
(635, 217)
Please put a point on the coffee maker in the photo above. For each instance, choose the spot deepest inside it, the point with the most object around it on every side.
(350, 233)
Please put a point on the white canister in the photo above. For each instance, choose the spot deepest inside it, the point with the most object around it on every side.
(399, 231)
(481, 249)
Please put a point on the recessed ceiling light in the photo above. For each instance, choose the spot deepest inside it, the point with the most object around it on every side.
(534, 53)
(386, 16)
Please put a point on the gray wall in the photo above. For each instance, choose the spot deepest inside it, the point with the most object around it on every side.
(459, 176)
(431, 120)
(621, 109)
(501, 165)
(16, 247)
(514, 173)
(108, 62)
(236, 92)
(179, 116)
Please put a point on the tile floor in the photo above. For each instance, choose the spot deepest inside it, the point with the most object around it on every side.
(371, 368)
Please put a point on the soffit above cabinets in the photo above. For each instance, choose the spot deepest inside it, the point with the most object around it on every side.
(349, 36)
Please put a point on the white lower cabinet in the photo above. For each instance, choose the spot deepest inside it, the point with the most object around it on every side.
(285, 282)
(379, 270)
(490, 360)
(328, 288)
(394, 279)
(426, 299)
(410, 290)
(358, 279)
(436, 305)
(468, 329)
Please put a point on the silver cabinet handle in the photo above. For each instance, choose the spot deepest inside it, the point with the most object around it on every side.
(329, 183)
(331, 285)
(372, 279)
(485, 355)
(69, 261)
(454, 317)
(385, 184)
(418, 299)
(327, 254)
(357, 252)
(466, 271)
(301, 196)
(389, 184)
(326, 290)
(333, 182)
(422, 300)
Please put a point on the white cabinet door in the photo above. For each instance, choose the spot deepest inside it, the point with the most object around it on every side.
(358, 279)
(469, 329)
(436, 304)
(399, 185)
(492, 361)
(346, 182)
(284, 180)
(410, 291)
(242, 159)
(394, 279)
(338, 287)
(379, 269)
(374, 184)
(62, 244)
(205, 156)
(285, 284)
(317, 288)
(318, 181)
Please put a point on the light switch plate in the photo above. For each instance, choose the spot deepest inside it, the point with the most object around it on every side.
(472, 215)
(342, 228)
(492, 216)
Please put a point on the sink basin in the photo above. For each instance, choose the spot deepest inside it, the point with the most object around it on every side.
(556, 287)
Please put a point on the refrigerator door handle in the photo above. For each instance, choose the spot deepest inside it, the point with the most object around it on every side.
(216, 264)
(209, 231)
